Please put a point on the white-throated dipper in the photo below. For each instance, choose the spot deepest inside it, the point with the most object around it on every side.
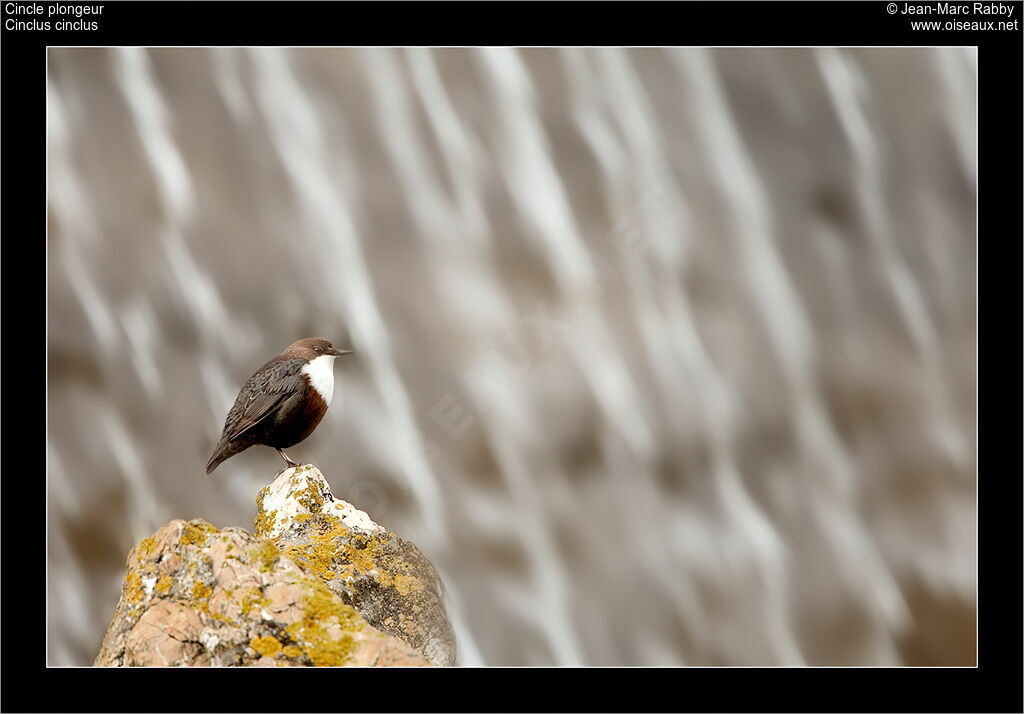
(282, 403)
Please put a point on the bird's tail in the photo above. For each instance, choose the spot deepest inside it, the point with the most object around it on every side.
(220, 454)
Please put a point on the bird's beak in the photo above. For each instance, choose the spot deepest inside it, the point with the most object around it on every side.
(341, 353)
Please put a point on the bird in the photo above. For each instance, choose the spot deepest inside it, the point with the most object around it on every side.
(282, 402)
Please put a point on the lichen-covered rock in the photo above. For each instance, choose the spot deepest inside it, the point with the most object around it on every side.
(385, 578)
(198, 596)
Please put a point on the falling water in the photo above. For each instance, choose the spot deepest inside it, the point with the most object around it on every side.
(663, 356)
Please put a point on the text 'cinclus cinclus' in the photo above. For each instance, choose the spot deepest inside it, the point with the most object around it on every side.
(281, 404)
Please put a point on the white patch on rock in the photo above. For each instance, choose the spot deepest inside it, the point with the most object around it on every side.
(209, 639)
(290, 495)
(352, 517)
(148, 584)
(320, 371)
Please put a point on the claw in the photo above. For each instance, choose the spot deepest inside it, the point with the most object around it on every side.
(291, 464)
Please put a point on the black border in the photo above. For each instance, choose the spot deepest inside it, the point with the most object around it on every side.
(993, 686)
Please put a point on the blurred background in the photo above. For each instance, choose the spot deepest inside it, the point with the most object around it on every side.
(663, 356)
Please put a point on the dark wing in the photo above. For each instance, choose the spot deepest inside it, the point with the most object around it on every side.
(267, 389)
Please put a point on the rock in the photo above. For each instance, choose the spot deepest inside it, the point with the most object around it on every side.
(387, 579)
(195, 595)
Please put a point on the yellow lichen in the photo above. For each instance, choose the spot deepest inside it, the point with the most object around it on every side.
(327, 547)
(163, 585)
(335, 551)
(251, 597)
(222, 617)
(196, 531)
(267, 646)
(201, 590)
(201, 596)
(326, 628)
(292, 651)
(315, 558)
(406, 584)
(264, 521)
(133, 587)
(363, 554)
(310, 498)
(146, 547)
(266, 554)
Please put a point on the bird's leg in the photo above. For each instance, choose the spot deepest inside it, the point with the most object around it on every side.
(288, 461)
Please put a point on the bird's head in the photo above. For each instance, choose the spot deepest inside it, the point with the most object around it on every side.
(312, 347)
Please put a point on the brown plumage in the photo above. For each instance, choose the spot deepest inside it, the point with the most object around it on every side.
(282, 402)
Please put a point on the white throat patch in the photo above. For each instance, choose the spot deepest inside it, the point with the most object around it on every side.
(321, 376)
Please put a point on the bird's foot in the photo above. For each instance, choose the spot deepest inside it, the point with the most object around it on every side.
(291, 464)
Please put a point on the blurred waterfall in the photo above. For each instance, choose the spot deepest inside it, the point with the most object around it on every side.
(663, 356)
